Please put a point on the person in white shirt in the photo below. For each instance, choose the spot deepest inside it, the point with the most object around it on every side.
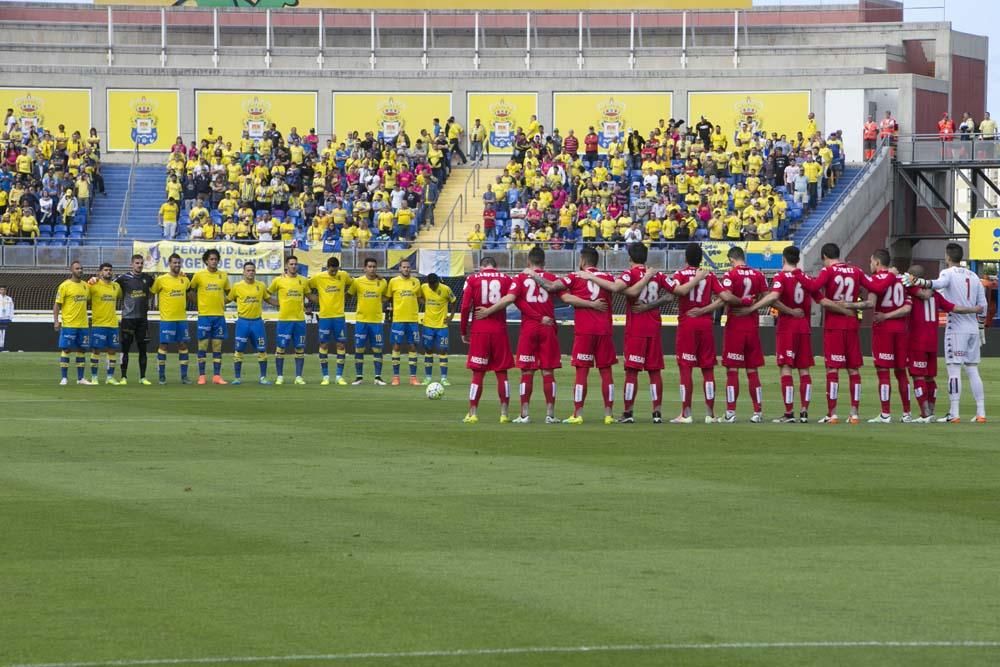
(6, 315)
(634, 234)
(964, 333)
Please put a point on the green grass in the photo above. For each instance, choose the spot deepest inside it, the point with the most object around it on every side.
(193, 522)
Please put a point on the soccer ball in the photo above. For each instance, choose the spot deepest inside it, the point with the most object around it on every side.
(435, 391)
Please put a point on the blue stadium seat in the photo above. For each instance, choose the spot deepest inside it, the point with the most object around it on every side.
(278, 213)
(45, 230)
(76, 229)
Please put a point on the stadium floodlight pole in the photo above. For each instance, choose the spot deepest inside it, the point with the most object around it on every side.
(111, 38)
(321, 42)
(631, 40)
(527, 35)
(163, 36)
(371, 58)
(579, 47)
(423, 57)
(684, 40)
(267, 38)
(215, 37)
(475, 58)
(736, 38)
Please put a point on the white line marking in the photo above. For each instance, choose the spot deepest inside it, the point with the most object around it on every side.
(524, 650)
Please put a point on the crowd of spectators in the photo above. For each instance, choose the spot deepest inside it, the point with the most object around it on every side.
(362, 191)
(675, 183)
(47, 181)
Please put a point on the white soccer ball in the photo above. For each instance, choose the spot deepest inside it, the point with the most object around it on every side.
(435, 391)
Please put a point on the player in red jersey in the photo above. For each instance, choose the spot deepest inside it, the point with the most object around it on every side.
(646, 290)
(892, 304)
(922, 341)
(793, 334)
(837, 288)
(489, 347)
(695, 344)
(741, 286)
(592, 341)
(538, 344)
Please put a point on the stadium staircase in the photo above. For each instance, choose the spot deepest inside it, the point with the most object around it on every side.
(817, 218)
(854, 206)
(465, 217)
(147, 195)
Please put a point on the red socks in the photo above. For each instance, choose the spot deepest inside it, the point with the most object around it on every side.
(476, 388)
(687, 386)
(503, 388)
(884, 389)
(708, 376)
(832, 390)
(631, 384)
(855, 380)
(903, 383)
(732, 388)
(656, 389)
(607, 387)
(579, 390)
(527, 385)
(756, 391)
(549, 387)
(788, 393)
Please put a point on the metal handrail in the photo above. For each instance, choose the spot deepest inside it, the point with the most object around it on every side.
(127, 203)
(848, 190)
(448, 221)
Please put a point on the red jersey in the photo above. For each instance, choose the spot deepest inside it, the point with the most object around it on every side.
(646, 324)
(589, 321)
(889, 296)
(744, 283)
(484, 289)
(532, 299)
(791, 294)
(699, 297)
(923, 322)
(837, 282)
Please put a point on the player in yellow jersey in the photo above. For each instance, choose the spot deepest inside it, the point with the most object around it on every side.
(437, 298)
(288, 292)
(404, 290)
(368, 328)
(104, 296)
(331, 286)
(211, 286)
(171, 290)
(249, 296)
(69, 318)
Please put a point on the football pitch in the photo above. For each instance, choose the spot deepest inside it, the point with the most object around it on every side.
(186, 525)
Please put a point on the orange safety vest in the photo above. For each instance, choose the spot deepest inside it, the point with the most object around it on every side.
(887, 127)
(871, 130)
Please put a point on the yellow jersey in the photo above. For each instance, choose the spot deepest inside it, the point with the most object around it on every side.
(331, 290)
(172, 296)
(249, 298)
(291, 292)
(369, 293)
(211, 287)
(436, 304)
(104, 303)
(72, 297)
(403, 292)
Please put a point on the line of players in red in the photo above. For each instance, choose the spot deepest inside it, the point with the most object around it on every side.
(903, 338)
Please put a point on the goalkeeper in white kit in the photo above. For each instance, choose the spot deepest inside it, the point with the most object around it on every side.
(964, 333)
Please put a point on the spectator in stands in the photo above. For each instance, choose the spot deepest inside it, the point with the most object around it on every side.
(168, 215)
(67, 207)
(477, 137)
(967, 127)
(476, 238)
(987, 128)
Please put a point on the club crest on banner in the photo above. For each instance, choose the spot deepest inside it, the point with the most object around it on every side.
(502, 124)
(29, 112)
(143, 121)
(390, 119)
(612, 122)
(255, 120)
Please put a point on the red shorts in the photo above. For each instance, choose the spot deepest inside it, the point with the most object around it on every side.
(538, 348)
(741, 349)
(643, 353)
(842, 348)
(794, 349)
(922, 363)
(591, 350)
(489, 352)
(889, 349)
(695, 346)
